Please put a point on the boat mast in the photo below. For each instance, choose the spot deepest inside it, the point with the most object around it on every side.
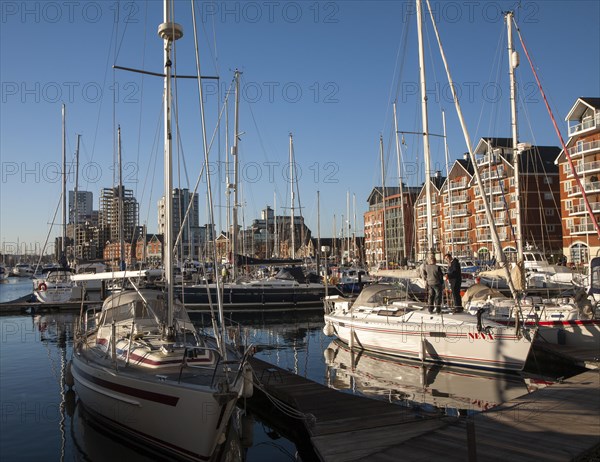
(293, 253)
(354, 250)
(348, 225)
(275, 233)
(76, 205)
(448, 184)
(399, 162)
(63, 247)
(169, 31)
(425, 126)
(234, 153)
(384, 247)
(120, 198)
(513, 63)
(488, 212)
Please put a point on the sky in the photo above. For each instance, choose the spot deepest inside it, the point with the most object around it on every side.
(325, 71)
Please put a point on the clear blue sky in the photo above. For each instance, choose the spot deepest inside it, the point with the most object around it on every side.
(326, 71)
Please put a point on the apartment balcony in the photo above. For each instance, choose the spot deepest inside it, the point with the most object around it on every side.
(581, 209)
(585, 125)
(461, 239)
(495, 190)
(585, 228)
(493, 175)
(498, 205)
(454, 185)
(487, 237)
(490, 159)
(458, 212)
(498, 221)
(484, 237)
(456, 225)
(588, 168)
(456, 199)
(584, 148)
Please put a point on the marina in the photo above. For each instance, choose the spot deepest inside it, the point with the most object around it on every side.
(414, 411)
(209, 289)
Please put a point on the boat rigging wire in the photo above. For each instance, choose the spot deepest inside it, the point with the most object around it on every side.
(562, 143)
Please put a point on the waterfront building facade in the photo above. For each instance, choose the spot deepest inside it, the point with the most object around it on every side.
(460, 225)
(389, 235)
(580, 237)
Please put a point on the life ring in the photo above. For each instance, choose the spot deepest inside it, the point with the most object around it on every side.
(42, 287)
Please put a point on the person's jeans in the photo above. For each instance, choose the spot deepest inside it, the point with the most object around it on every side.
(434, 298)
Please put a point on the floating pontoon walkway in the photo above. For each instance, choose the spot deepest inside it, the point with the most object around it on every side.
(557, 423)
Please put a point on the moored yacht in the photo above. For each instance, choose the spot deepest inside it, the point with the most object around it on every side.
(381, 320)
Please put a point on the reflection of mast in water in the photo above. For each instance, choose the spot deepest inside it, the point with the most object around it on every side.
(57, 331)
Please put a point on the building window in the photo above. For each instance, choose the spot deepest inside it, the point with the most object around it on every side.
(548, 196)
(579, 254)
(547, 180)
(549, 212)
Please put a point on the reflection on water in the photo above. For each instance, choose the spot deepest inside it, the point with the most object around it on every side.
(34, 354)
(15, 288)
(425, 387)
(35, 400)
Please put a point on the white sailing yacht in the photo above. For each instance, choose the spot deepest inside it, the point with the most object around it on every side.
(140, 366)
(381, 320)
(55, 286)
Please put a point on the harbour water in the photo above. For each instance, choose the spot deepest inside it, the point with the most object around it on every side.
(42, 420)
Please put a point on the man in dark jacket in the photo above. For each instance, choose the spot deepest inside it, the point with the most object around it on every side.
(454, 278)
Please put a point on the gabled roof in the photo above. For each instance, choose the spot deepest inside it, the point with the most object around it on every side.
(377, 192)
(482, 145)
(539, 160)
(534, 160)
(466, 164)
(581, 105)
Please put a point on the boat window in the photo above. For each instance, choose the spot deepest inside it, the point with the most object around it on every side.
(117, 314)
(385, 296)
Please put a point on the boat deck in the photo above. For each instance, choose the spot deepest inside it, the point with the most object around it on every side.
(557, 423)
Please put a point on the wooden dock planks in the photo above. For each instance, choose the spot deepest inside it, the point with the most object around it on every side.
(556, 423)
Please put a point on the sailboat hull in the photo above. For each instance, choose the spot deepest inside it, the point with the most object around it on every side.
(435, 338)
(247, 297)
(186, 418)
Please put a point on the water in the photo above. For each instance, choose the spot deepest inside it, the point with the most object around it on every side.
(41, 420)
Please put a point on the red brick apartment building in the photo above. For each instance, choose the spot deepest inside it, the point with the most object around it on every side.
(580, 238)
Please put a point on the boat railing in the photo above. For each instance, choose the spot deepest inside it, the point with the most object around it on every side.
(89, 318)
(190, 352)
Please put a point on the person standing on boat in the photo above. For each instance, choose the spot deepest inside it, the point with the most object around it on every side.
(454, 278)
(434, 278)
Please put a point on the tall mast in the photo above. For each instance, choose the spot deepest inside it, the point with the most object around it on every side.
(227, 181)
(292, 168)
(169, 32)
(120, 204)
(425, 123)
(76, 201)
(318, 252)
(234, 153)
(448, 184)
(488, 212)
(354, 252)
(63, 247)
(275, 233)
(399, 162)
(513, 63)
(384, 247)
